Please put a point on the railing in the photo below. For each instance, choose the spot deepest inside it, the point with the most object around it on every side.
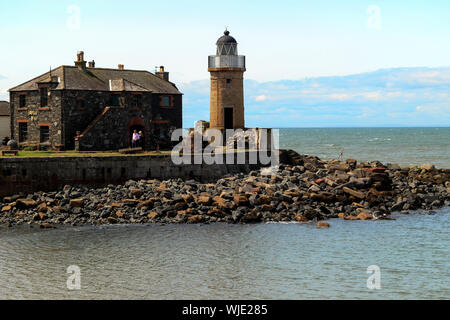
(226, 62)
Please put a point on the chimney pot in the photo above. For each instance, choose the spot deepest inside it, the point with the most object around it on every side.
(91, 64)
(121, 67)
(80, 63)
(80, 56)
(162, 74)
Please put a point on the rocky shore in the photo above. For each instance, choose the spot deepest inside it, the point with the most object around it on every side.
(304, 189)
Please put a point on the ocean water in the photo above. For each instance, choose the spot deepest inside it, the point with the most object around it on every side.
(220, 261)
(404, 146)
(263, 261)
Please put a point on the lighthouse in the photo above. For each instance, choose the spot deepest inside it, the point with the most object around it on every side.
(227, 85)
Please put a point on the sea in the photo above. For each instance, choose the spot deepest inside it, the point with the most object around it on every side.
(407, 258)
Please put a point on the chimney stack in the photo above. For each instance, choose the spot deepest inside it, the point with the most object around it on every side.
(162, 74)
(121, 67)
(80, 63)
(91, 64)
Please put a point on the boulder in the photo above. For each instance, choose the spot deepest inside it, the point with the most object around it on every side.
(251, 216)
(427, 167)
(338, 167)
(26, 203)
(76, 203)
(153, 215)
(364, 215)
(300, 218)
(354, 193)
(136, 192)
(147, 203)
(112, 220)
(205, 200)
(131, 202)
(6, 208)
(241, 200)
(195, 219)
(42, 207)
(263, 199)
(322, 225)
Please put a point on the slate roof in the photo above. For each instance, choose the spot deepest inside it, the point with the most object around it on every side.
(4, 108)
(98, 79)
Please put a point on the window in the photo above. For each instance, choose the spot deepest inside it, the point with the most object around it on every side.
(45, 134)
(23, 131)
(228, 83)
(166, 101)
(80, 104)
(115, 100)
(136, 101)
(44, 97)
(22, 101)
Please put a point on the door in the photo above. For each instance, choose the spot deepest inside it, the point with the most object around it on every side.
(228, 114)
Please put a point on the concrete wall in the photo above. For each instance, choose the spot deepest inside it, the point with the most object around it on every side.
(5, 124)
(46, 174)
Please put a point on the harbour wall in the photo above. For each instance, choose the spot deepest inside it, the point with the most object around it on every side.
(28, 175)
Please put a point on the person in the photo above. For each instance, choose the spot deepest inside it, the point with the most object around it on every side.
(141, 139)
(5, 141)
(135, 139)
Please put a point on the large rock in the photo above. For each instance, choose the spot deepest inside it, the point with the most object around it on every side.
(251, 216)
(427, 167)
(364, 215)
(25, 203)
(7, 208)
(136, 192)
(205, 200)
(195, 219)
(354, 193)
(323, 225)
(300, 218)
(241, 200)
(77, 203)
(338, 167)
(153, 215)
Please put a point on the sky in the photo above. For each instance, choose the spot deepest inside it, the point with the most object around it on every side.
(286, 42)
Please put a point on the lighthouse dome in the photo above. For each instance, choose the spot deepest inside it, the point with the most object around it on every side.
(226, 38)
(227, 45)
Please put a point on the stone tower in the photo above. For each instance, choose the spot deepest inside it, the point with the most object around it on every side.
(227, 85)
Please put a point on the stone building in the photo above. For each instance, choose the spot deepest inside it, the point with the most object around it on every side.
(227, 85)
(88, 108)
(5, 129)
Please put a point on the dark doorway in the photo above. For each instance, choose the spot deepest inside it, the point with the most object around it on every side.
(229, 118)
(141, 142)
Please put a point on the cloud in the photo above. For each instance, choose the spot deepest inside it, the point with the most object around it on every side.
(261, 98)
(433, 109)
(408, 96)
